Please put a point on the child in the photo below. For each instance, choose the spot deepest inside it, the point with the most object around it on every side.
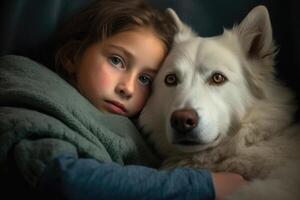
(110, 54)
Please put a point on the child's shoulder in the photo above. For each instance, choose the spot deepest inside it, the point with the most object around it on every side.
(19, 63)
(16, 65)
(17, 60)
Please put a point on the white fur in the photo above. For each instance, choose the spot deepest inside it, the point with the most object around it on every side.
(245, 124)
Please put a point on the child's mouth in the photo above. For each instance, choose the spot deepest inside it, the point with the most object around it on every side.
(115, 107)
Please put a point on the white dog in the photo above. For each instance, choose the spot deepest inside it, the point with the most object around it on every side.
(216, 104)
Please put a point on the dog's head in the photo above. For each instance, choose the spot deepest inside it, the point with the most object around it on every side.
(206, 86)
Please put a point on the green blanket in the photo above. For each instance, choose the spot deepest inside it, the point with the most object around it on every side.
(42, 116)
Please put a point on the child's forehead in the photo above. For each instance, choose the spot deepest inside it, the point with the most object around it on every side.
(136, 29)
(134, 35)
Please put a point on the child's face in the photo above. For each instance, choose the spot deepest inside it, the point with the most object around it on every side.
(116, 73)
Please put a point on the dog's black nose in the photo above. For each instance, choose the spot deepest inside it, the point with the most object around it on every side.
(184, 120)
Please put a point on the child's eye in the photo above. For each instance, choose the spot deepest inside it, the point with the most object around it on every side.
(145, 80)
(116, 61)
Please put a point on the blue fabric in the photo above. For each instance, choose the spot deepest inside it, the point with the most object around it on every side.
(71, 178)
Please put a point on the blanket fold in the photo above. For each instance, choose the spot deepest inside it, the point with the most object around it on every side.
(42, 116)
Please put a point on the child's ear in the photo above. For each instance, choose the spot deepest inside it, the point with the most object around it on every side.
(69, 66)
(70, 56)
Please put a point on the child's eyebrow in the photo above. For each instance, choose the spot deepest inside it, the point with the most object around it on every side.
(151, 71)
(125, 51)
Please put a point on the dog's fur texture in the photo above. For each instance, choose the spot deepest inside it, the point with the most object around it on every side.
(216, 104)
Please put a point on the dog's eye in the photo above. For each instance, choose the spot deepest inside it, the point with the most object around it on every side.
(171, 80)
(217, 79)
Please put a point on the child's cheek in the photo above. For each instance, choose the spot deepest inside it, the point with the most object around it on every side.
(141, 99)
(104, 80)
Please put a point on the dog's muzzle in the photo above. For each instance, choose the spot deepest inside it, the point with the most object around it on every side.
(183, 123)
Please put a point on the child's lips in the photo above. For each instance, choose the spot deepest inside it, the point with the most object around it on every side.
(115, 107)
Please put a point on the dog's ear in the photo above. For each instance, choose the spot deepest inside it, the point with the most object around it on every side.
(183, 31)
(255, 33)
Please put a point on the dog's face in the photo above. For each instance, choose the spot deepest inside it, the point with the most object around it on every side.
(206, 85)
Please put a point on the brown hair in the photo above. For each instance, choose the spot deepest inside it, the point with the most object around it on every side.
(104, 18)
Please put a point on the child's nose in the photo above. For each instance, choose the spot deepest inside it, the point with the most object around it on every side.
(125, 87)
